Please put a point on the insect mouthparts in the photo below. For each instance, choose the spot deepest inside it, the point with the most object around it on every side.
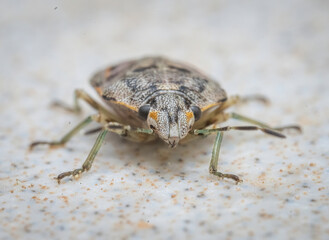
(173, 142)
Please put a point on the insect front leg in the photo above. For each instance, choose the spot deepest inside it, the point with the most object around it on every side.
(123, 130)
(214, 160)
(218, 141)
(89, 160)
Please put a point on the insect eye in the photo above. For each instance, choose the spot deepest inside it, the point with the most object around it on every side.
(196, 112)
(143, 111)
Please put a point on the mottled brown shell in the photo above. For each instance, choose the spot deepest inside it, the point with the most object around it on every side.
(128, 85)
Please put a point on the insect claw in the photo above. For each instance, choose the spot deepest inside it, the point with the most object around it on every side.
(294, 127)
(32, 145)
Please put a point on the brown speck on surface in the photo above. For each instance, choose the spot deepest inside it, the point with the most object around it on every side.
(265, 215)
(64, 198)
(144, 225)
(147, 191)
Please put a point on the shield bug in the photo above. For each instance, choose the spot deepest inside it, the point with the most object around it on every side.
(155, 97)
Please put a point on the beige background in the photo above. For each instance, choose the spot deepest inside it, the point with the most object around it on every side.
(276, 48)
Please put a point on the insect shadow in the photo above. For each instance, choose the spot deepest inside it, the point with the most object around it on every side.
(155, 157)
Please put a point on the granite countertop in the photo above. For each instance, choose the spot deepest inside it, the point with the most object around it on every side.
(133, 191)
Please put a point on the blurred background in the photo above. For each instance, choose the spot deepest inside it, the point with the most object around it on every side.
(275, 48)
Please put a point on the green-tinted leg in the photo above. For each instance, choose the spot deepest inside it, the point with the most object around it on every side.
(67, 136)
(259, 126)
(89, 161)
(205, 132)
(122, 129)
(218, 141)
(214, 160)
(263, 125)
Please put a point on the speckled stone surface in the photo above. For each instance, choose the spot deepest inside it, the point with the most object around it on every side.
(278, 48)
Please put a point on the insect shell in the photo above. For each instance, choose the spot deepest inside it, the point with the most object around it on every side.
(157, 93)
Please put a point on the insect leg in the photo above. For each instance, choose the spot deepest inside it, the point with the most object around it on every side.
(81, 94)
(214, 160)
(89, 160)
(215, 152)
(66, 137)
(206, 132)
(76, 107)
(263, 125)
(233, 100)
(130, 133)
